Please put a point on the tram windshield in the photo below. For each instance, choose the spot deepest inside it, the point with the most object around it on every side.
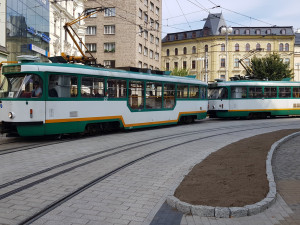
(21, 86)
(218, 93)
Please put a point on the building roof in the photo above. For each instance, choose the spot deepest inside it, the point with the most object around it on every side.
(213, 24)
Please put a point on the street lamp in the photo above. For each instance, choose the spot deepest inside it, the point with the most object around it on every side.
(226, 30)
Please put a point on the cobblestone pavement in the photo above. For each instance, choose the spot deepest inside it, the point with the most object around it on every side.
(136, 195)
(286, 168)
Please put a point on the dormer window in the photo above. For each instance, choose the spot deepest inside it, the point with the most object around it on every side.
(194, 34)
(176, 37)
(268, 31)
(185, 35)
(283, 31)
(247, 31)
(258, 32)
(237, 32)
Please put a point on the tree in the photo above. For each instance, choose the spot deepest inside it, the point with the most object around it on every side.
(180, 72)
(270, 67)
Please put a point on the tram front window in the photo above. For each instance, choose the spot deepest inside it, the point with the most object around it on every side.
(20, 86)
(218, 93)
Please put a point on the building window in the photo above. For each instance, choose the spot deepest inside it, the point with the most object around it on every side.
(145, 17)
(184, 51)
(110, 12)
(184, 64)
(145, 65)
(184, 35)
(258, 32)
(194, 35)
(222, 77)
(157, 41)
(140, 48)
(222, 47)
(176, 36)
(268, 31)
(247, 31)
(247, 47)
(89, 11)
(140, 13)
(283, 31)
(151, 22)
(109, 47)
(140, 64)
(145, 51)
(167, 66)
(109, 63)
(156, 56)
(151, 38)
(287, 61)
(286, 47)
(236, 63)
(194, 50)
(92, 47)
(109, 29)
(156, 10)
(175, 64)
(206, 48)
(194, 64)
(237, 32)
(258, 46)
(281, 47)
(168, 52)
(141, 30)
(237, 47)
(222, 62)
(151, 54)
(247, 62)
(176, 51)
(156, 26)
(146, 2)
(268, 47)
(146, 34)
(91, 30)
(151, 6)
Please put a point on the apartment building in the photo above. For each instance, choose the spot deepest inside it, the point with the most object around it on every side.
(222, 51)
(62, 12)
(126, 33)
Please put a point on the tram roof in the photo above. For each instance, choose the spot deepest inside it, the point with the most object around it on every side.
(89, 70)
(254, 83)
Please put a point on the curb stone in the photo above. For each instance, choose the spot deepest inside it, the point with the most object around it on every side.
(226, 212)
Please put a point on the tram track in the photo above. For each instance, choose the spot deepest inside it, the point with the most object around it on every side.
(129, 147)
(79, 190)
(54, 204)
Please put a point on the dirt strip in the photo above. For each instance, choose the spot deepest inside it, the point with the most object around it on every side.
(234, 176)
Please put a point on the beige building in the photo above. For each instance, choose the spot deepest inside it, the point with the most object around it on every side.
(191, 49)
(62, 12)
(126, 33)
(297, 56)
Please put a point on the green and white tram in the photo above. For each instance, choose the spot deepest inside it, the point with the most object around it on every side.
(253, 99)
(50, 98)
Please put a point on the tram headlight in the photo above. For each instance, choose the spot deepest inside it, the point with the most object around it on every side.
(11, 115)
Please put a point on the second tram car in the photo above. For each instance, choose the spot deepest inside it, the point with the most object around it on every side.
(253, 99)
(50, 98)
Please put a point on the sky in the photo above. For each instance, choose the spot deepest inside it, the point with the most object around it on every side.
(183, 15)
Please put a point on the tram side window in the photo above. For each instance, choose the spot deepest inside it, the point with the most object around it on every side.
(284, 92)
(63, 86)
(218, 93)
(238, 92)
(182, 91)
(203, 92)
(255, 92)
(92, 87)
(296, 92)
(270, 92)
(153, 95)
(169, 96)
(136, 94)
(194, 91)
(116, 88)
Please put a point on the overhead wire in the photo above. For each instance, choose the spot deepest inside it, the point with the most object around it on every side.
(184, 14)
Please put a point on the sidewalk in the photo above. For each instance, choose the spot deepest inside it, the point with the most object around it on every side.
(285, 211)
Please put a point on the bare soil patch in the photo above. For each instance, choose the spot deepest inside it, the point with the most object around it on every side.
(234, 176)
